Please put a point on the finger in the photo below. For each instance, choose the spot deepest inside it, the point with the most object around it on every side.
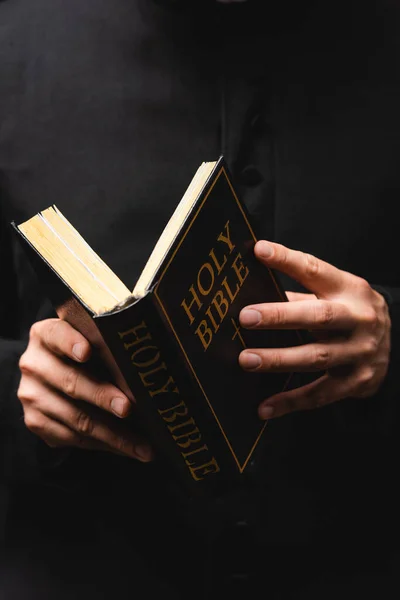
(309, 314)
(316, 394)
(310, 357)
(314, 274)
(299, 296)
(74, 382)
(91, 426)
(62, 339)
(57, 435)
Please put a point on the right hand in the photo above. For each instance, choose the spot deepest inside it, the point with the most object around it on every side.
(63, 404)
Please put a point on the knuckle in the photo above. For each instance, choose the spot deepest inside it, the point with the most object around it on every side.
(24, 392)
(34, 422)
(364, 383)
(123, 445)
(363, 285)
(281, 254)
(70, 382)
(365, 377)
(369, 317)
(324, 313)
(120, 444)
(35, 330)
(388, 324)
(84, 424)
(51, 330)
(311, 265)
(25, 364)
(275, 361)
(383, 319)
(380, 302)
(370, 346)
(100, 397)
(321, 359)
(276, 316)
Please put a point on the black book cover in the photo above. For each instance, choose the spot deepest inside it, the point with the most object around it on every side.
(208, 276)
(176, 349)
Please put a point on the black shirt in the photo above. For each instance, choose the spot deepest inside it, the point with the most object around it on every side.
(107, 107)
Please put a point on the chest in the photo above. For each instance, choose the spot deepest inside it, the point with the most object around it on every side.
(108, 115)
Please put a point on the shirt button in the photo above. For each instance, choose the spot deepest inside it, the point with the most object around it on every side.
(250, 176)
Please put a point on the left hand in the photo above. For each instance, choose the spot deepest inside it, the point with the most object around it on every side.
(350, 321)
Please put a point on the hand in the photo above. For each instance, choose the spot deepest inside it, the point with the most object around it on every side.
(65, 406)
(351, 324)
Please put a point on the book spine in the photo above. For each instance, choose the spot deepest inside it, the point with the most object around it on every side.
(167, 399)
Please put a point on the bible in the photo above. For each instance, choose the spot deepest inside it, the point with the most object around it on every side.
(172, 343)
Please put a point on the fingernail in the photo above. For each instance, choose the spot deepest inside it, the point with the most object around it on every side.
(78, 350)
(264, 249)
(249, 317)
(143, 452)
(249, 360)
(266, 412)
(119, 406)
